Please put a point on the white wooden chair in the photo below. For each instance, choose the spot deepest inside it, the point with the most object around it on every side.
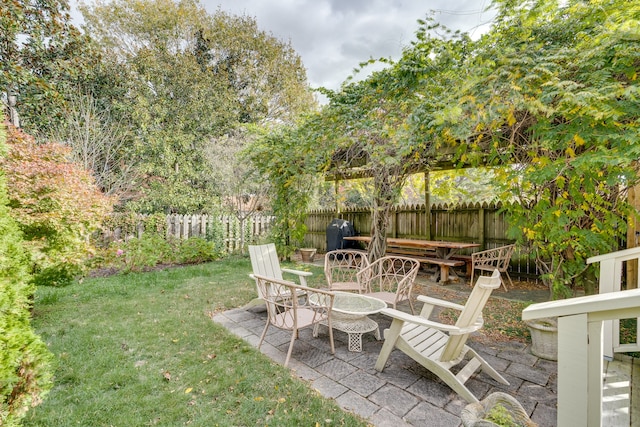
(492, 259)
(440, 347)
(294, 313)
(341, 267)
(390, 279)
(265, 262)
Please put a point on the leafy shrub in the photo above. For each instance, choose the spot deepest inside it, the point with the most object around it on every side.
(136, 254)
(25, 361)
(195, 250)
(56, 205)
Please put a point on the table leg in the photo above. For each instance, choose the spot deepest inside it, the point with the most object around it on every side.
(355, 341)
(354, 326)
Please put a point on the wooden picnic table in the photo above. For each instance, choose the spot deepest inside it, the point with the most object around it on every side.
(442, 249)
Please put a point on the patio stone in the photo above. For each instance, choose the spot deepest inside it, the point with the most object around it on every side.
(514, 355)
(426, 414)
(362, 383)
(384, 418)
(545, 416)
(336, 369)
(357, 404)
(529, 373)
(432, 391)
(328, 387)
(398, 376)
(396, 400)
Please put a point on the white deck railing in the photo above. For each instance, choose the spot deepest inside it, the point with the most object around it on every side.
(580, 350)
(611, 268)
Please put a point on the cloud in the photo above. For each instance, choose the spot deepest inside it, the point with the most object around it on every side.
(334, 36)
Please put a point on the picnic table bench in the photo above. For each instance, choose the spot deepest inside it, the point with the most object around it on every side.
(435, 252)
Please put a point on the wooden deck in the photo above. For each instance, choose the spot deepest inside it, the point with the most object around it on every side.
(620, 405)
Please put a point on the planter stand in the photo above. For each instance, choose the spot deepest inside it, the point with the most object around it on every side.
(474, 414)
(544, 337)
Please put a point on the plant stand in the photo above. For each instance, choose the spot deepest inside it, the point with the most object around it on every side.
(474, 414)
(544, 337)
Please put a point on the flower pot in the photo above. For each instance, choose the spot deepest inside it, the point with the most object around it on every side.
(544, 337)
(476, 414)
(307, 254)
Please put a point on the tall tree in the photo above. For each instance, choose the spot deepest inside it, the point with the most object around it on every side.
(363, 130)
(554, 91)
(42, 56)
(197, 77)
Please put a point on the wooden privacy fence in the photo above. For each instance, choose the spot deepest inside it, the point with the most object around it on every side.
(475, 223)
(233, 233)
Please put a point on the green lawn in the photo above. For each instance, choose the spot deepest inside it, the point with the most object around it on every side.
(141, 350)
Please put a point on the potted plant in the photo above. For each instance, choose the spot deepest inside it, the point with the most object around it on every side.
(496, 410)
(307, 254)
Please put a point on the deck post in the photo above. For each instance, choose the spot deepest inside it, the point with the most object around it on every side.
(580, 349)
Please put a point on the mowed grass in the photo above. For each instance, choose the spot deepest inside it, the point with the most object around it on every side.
(141, 350)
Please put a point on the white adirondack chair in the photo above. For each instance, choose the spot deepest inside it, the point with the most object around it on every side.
(265, 262)
(439, 347)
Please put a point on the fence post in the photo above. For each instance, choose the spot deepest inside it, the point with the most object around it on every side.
(481, 227)
(427, 206)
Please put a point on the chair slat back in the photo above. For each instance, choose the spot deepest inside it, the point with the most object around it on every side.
(471, 313)
(264, 260)
(390, 274)
(342, 266)
(493, 258)
(284, 301)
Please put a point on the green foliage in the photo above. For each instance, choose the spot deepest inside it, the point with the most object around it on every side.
(153, 249)
(501, 416)
(25, 362)
(43, 58)
(278, 158)
(551, 90)
(194, 78)
(56, 205)
(195, 250)
(138, 254)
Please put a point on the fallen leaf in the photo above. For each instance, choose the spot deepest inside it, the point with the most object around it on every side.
(187, 391)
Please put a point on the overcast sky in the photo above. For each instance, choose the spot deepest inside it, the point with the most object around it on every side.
(334, 36)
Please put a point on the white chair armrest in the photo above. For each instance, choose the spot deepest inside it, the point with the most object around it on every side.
(418, 320)
(297, 272)
(439, 302)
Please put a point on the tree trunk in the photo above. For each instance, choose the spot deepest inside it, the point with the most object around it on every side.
(382, 204)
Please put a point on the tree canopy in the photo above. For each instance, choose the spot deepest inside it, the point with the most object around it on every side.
(42, 57)
(197, 77)
(550, 93)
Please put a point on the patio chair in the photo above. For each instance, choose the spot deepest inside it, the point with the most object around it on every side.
(390, 279)
(294, 313)
(341, 267)
(265, 262)
(492, 259)
(440, 347)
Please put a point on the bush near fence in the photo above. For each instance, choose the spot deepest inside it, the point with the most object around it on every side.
(226, 230)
